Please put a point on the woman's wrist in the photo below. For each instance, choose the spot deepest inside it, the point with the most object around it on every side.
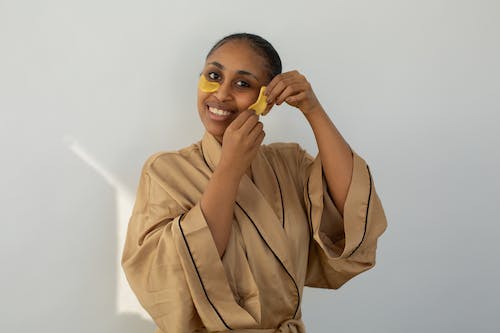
(228, 173)
(314, 113)
(233, 167)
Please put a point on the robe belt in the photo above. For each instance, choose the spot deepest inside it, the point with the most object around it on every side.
(288, 326)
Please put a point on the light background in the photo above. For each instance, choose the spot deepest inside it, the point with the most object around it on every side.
(89, 89)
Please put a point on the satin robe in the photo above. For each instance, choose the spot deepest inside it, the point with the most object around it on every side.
(286, 234)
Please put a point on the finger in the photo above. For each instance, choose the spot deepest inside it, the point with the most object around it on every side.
(290, 90)
(254, 148)
(260, 138)
(257, 138)
(277, 89)
(281, 85)
(270, 85)
(249, 123)
(296, 98)
(278, 78)
(241, 119)
(254, 132)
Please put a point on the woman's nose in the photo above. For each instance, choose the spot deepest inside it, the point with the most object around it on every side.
(224, 92)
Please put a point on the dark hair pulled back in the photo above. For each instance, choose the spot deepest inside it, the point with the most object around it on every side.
(258, 44)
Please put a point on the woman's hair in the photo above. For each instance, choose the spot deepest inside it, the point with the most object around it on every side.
(259, 45)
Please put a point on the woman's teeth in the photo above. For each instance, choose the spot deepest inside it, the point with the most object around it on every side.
(219, 112)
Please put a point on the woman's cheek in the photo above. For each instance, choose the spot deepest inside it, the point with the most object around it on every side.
(249, 100)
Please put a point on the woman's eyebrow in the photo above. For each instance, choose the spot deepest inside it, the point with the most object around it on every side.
(241, 72)
(216, 64)
(246, 73)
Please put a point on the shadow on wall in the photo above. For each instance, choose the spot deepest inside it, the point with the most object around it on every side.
(117, 309)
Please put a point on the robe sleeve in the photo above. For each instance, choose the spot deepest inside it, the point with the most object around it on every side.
(340, 248)
(171, 261)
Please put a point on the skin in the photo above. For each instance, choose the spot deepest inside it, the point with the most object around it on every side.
(241, 72)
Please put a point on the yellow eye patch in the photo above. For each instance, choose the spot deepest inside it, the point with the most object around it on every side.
(207, 86)
(260, 105)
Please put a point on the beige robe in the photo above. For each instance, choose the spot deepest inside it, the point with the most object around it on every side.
(286, 234)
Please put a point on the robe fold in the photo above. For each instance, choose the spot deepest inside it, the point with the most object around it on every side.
(286, 234)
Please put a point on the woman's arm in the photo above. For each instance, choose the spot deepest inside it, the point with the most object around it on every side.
(217, 204)
(241, 141)
(336, 156)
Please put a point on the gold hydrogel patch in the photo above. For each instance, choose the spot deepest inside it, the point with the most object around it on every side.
(207, 86)
(260, 105)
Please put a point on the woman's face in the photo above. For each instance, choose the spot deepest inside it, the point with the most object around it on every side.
(240, 71)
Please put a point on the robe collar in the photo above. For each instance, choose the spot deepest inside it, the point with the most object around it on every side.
(211, 150)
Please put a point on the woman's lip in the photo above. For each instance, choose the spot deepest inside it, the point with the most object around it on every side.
(217, 117)
(219, 106)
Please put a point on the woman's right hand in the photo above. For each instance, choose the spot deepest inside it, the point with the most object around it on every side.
(241, 141)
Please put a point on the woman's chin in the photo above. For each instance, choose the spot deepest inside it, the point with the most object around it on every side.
(216, 131)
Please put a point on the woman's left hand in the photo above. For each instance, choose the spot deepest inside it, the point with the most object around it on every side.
(294, 89)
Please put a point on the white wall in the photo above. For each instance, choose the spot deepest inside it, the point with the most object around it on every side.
(89, 89)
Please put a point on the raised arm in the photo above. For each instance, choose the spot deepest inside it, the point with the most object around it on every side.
(336, 156)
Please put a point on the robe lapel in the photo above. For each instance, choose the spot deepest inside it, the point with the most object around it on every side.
(253, 203)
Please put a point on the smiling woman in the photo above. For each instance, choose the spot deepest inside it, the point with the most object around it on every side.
(240, 72)
(225, 233)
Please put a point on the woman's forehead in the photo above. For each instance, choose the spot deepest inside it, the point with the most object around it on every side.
(237, 56)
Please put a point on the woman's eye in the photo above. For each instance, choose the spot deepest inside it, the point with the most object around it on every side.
(242, 84)
(213, 76)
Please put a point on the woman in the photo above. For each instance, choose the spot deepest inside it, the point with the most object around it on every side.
(225, 233)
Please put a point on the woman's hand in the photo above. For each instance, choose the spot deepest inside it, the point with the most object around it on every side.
(294, 89)
(240, 143)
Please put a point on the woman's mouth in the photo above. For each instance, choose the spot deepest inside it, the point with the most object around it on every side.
(218, 114)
